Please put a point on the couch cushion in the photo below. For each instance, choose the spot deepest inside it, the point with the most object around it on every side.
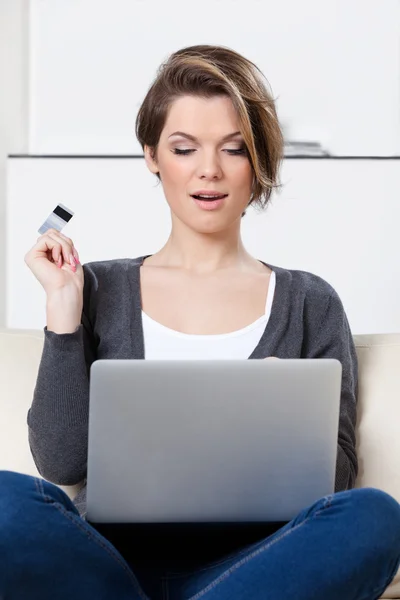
(20, 354)
(378, 441)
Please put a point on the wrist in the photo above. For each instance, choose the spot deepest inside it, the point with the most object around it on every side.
(63, 311)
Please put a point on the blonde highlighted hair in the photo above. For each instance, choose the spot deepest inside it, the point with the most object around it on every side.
(208, 71)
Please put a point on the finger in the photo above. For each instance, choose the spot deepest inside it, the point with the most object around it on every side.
(74, 250)
(57, 256)
(71, 243)
(54, 251)
(48, 247)
(51, 247)
(48, 231)
(67, 248)
(54, 232)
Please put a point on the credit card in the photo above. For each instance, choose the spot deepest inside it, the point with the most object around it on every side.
(58, 219)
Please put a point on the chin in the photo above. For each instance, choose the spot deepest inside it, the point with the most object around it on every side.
(212, 224)
(213, 221)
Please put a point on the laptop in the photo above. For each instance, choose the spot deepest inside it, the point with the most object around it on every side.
(210, 441)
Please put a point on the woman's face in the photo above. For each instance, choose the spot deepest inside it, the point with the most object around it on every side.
(203, 158)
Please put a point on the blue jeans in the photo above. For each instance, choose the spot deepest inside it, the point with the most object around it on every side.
(345, 546)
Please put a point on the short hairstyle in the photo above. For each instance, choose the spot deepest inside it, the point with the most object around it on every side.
(208, 71)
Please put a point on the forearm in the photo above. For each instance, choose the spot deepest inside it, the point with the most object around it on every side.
(346, 470)
(58, 418)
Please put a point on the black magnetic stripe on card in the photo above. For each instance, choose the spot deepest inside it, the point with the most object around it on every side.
(60, 212)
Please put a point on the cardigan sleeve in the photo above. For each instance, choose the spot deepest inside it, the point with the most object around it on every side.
(58, 417)
(331, 337)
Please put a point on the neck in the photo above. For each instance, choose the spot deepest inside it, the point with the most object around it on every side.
(203, 252)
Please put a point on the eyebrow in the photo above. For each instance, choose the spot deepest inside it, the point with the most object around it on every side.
(194, 139)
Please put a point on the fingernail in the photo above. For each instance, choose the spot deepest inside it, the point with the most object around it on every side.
(72, 260)
(76, 255)
(59, 264)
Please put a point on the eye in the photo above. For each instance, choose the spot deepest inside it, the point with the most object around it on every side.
(184, 152)
(237, 152)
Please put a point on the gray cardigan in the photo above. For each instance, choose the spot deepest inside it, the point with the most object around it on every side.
(307, 321)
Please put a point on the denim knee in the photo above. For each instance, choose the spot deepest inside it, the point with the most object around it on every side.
(20, 493)
(13, 496)
(12, 487)
(376, 519)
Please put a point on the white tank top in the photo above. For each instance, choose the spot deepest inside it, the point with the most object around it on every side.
(161, 342)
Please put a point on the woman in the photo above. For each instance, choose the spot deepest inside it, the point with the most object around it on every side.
(210, 133)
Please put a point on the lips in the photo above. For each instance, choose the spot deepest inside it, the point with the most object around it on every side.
(206, 195)
(209, 199)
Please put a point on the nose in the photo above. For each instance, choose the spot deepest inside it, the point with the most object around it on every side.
(209, 166)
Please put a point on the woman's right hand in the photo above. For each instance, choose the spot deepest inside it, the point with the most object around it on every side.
(54, 262)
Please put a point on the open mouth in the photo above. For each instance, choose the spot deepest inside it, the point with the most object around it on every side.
(209, 198)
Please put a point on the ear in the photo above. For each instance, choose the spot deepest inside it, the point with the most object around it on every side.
(151, 162)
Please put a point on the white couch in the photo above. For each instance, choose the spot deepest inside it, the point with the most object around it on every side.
(378, 410)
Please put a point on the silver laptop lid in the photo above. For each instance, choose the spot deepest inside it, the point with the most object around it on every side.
(207, 441)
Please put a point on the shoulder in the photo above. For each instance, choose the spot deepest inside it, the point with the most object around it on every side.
(314, 302)
(110, 271)
(314, 290)
(110, 281)
(304, 281)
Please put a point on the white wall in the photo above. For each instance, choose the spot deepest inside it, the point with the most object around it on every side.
(334, 67)
(336, 218)
(13, 105)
